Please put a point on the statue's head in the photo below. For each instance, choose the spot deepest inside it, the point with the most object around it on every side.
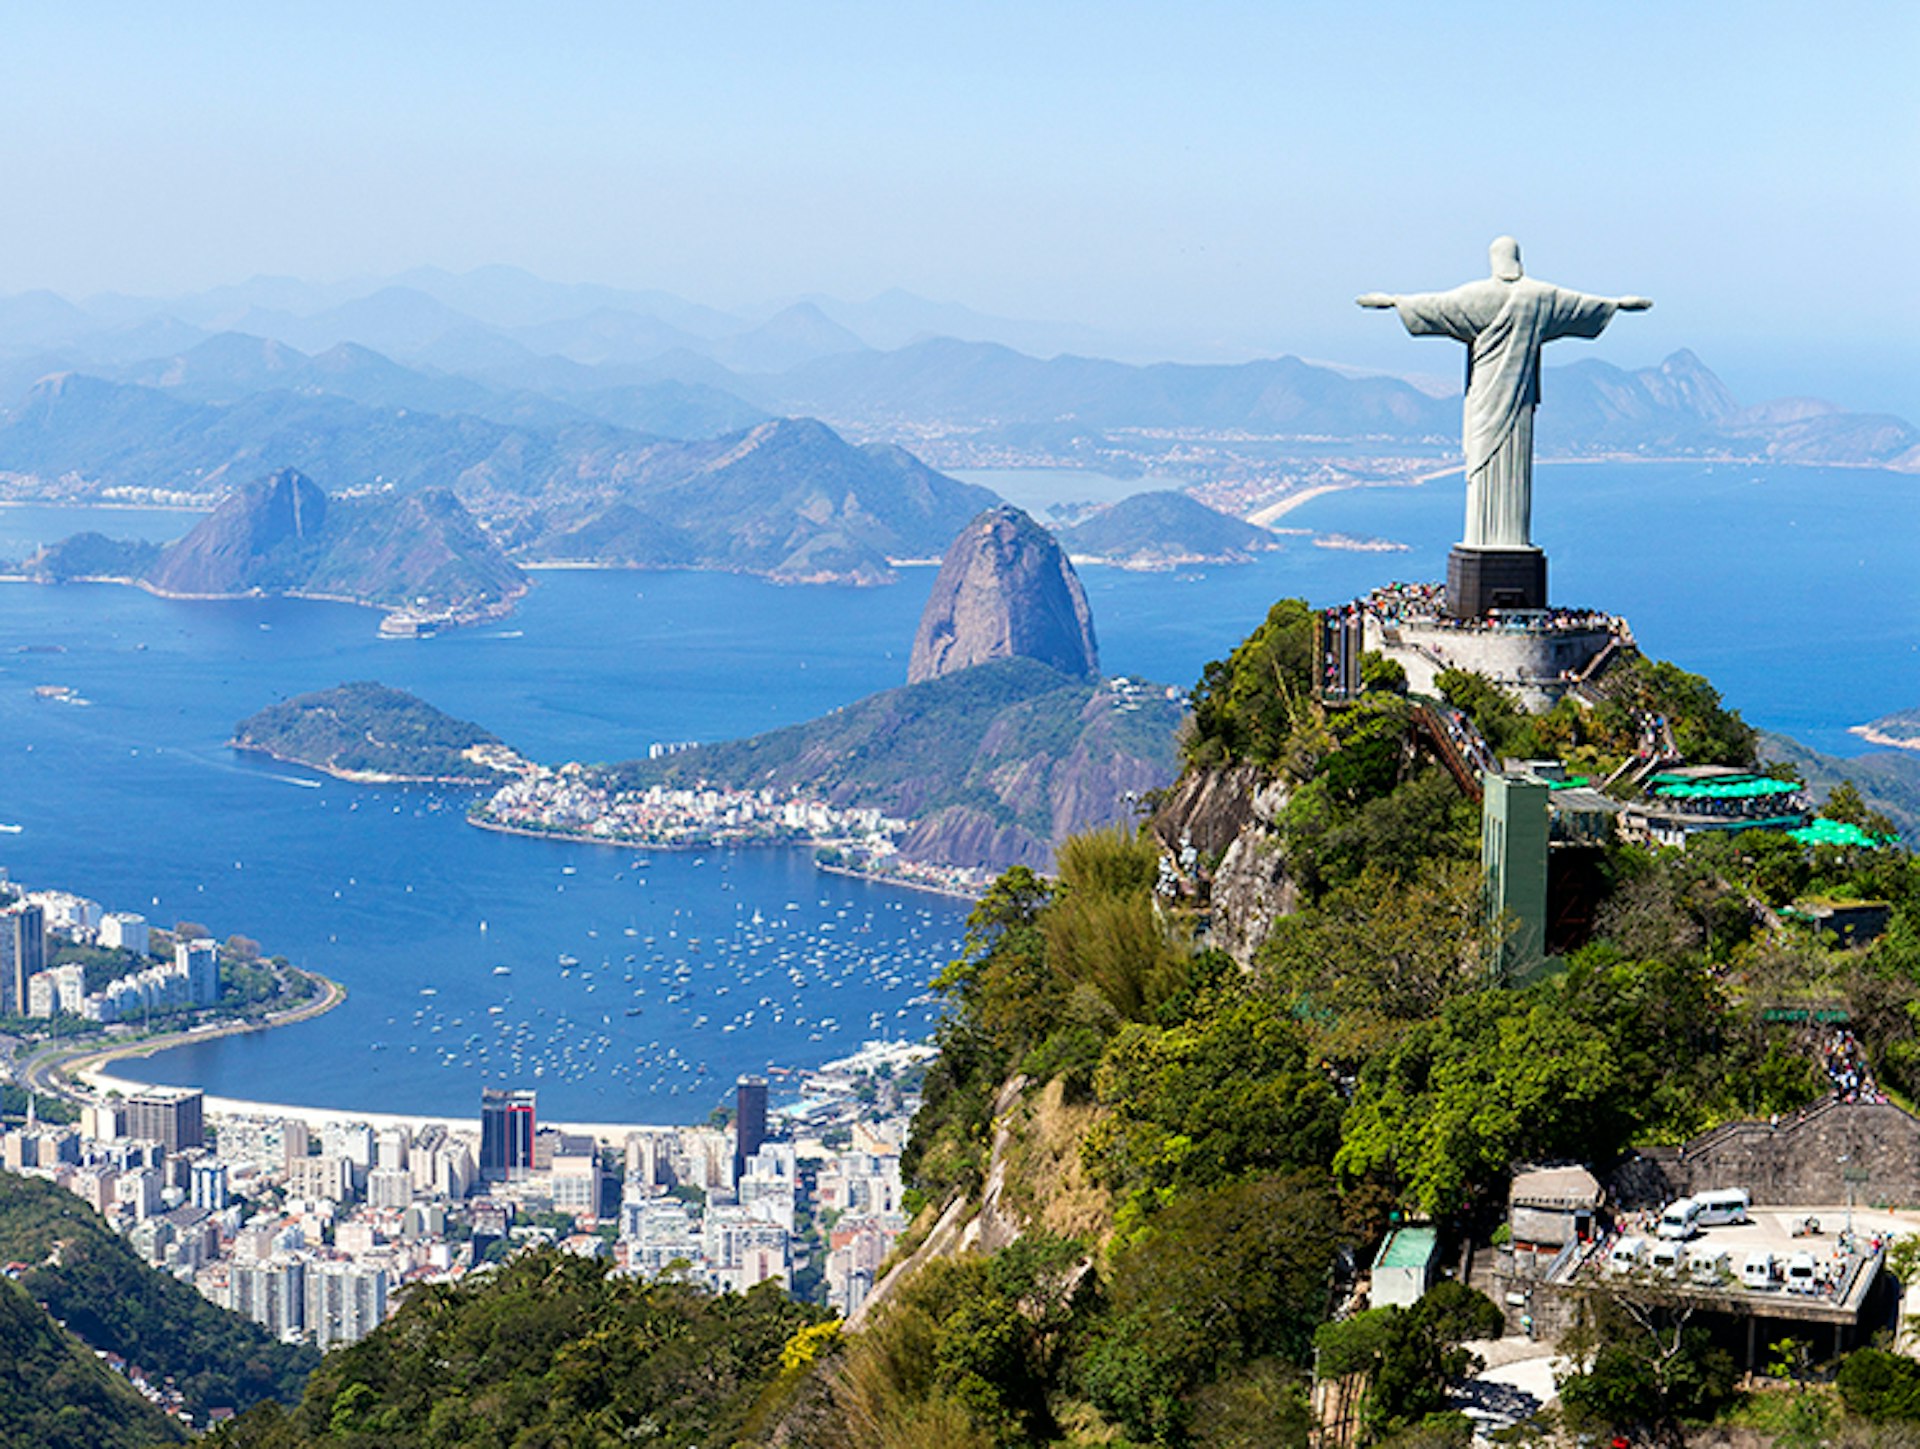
(1505, 255)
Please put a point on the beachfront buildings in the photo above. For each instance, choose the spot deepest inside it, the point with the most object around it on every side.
(314, 1225)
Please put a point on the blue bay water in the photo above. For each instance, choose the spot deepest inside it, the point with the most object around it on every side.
(1793, 588)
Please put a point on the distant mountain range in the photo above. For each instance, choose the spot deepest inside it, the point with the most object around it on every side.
(591, 425)
(788, 498)
(502, 344)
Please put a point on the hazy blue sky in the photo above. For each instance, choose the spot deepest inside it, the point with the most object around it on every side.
(1216, 177)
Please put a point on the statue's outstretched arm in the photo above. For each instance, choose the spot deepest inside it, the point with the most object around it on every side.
(1376, 300)
(1633, 304)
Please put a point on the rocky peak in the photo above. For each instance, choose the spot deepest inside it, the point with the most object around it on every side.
(1685, 383)
(1005, 591)
(273, 520)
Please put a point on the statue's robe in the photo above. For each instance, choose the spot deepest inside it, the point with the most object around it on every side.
(1504, 325)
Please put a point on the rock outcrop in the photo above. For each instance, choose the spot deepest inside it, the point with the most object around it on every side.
(264, 535)
(282, 534)
(1005, 591)
(1220, 827)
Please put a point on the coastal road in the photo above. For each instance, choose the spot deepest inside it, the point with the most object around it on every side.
(48, 1069)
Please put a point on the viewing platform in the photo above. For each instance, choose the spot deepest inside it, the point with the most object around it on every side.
(1539, 654)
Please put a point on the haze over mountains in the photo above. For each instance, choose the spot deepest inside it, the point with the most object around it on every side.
(500, 343)
(583, 424)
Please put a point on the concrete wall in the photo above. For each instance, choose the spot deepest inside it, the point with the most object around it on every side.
(1530, 664)
(1796, 1164)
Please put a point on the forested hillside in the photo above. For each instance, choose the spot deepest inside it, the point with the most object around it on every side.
(90, 1280)
(367, 729)
(1174, 1165)
(54, 1394)
(1147, 1174)
(552, 1350)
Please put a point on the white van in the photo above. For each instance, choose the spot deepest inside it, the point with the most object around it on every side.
(1665, 1258)
(1802, 1277)
(1680, 1220)
(1627, 1255)
(1758, 1270)
(1707, 1265)
(1723, 1205)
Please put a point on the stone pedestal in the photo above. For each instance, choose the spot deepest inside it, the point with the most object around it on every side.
(1480, 579)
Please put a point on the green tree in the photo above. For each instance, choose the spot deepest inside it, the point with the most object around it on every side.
(1378, 956)
(1497, 1078)
(1409, 1355)
(1880, 1387)
(1248, 706)
(1227, 1094)
(1222, 1279)
(1642, 1368)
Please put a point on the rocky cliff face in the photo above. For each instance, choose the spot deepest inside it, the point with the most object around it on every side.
(1005, 591)
(1227, 819)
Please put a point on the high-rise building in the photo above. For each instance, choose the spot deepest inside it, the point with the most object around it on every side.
(273, 1294)
(23, 953)
(125, 931)
(70, 981)
(172, 1116)
(199, 961)
(506, 1133)
(345, 1302)
(749, 1121)
(43, 997)
(209, 1186)
(389, 1188)
(295, 1140)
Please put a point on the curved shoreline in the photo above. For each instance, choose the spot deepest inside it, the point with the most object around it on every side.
(1885, 741)
(500, 828)
(362, 777)
(886, 880)
(952, 893)
(88, 1063)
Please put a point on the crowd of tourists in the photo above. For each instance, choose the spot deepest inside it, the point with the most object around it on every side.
(1847, 1068)
(1426, 604)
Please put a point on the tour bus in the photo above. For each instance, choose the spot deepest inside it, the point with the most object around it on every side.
(1681, 1219)
(1665, 1259)
(1707, 1265)
(1627, 1254)
(1723, 1205)
(1801, 1274)
(1759, 1269)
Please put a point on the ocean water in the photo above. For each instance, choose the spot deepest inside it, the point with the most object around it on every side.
(1794, 588)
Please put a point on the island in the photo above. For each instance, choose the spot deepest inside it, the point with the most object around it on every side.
(1006, 739)
(1164, 530)
(371, 734)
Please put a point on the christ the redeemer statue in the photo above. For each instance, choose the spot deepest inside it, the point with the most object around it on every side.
(1504, 319)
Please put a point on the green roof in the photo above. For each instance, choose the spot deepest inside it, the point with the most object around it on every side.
(1834, 832)
(1729, 787)
(1408, 1248)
